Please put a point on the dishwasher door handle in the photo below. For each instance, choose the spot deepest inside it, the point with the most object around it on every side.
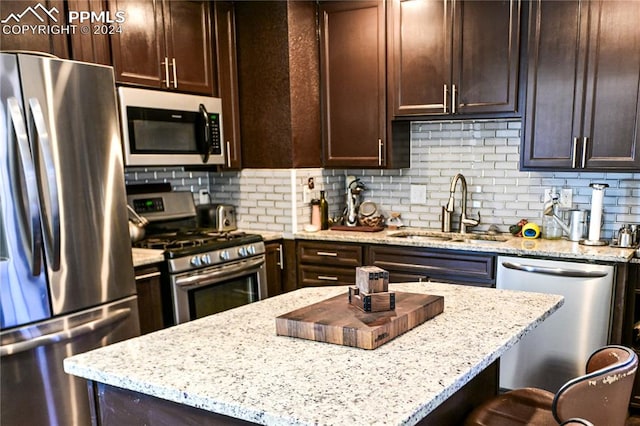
(558, 272)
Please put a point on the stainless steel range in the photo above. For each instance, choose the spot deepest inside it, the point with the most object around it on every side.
(209, 271)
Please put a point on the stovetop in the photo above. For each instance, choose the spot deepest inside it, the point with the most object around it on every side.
(193, 241)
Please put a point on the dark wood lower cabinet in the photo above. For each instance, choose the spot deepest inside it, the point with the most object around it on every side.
(151, 306)
(116, 406)
(421, 264)
(328, 263)
(274, 252)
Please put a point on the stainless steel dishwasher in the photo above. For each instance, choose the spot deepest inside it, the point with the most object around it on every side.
(557, 349)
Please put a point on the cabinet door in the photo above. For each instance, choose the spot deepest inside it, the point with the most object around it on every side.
(555, 74)
(150, 300)
(486, 44)
(275, 264)
(92, 47)
(139, 54)
(55, 44)
(227, 65)
(420, 56)
(611, 134)
(352, 60)
(187, 28)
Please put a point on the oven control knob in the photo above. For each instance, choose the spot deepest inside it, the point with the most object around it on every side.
(224, 255)
(242, 251)
(251, 249)
(206, 259)
(195, 261)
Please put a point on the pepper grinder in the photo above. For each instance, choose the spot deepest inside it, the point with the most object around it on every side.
(597, 204)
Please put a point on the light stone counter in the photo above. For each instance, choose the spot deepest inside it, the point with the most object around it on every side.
(233, 363)
(518, 246)
(143, 256)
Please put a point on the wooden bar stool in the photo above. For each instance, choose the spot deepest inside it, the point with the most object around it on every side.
(600, 397)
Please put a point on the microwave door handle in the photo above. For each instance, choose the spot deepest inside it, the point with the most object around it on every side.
(50, 219)
(27, 189)
(207, 134)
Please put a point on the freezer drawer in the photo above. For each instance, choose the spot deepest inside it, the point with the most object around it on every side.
(558, 349)
(34, 388)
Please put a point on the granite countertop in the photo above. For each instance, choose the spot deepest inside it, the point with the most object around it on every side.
(233, 363)
(142, 256)
(561, 249)
(519, 246)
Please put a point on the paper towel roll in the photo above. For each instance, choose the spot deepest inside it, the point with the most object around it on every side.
(597, 201)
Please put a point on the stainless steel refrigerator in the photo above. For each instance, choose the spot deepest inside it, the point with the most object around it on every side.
(66, 273)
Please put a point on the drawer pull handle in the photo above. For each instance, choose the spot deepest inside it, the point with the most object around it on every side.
(147, 276)
(327, 278)
(327, 253)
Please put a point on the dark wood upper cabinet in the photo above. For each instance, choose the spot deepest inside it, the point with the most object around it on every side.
(611, 129)
(457, 57)
(55, 44)
(93, 46)
(165, 45)
(278, 80)
(355, 130)
(583, 76)
(227, 67)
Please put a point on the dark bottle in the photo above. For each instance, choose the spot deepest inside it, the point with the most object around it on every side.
(324, 212)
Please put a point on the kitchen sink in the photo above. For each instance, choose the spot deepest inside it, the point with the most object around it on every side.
(421, 235)
(449, 236)
(481, 240)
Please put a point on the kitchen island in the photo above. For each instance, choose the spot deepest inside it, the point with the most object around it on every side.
(233, 364)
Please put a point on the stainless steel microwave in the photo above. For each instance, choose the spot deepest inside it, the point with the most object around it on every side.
(165, 129)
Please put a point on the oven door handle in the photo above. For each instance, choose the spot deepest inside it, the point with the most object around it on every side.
(221, 272)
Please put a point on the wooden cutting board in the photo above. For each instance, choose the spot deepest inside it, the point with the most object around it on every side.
(336, 321)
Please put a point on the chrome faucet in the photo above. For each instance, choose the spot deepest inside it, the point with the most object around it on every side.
(447, 211)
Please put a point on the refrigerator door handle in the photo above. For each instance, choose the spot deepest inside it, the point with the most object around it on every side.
(64, 335)
(51, 205)
(28, 183)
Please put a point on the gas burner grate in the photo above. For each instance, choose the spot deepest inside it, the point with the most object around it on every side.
(188, 239)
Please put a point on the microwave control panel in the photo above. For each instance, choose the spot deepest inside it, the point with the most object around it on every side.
(214, 129)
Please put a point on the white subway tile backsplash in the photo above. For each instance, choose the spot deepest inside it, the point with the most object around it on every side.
(485, 151)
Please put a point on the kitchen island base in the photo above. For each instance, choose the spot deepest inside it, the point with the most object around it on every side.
(114, 406)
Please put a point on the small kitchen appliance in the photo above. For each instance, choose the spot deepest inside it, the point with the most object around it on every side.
(595, 223)
(221, 217)
(354, 189)
(210, 269)
(553, 225)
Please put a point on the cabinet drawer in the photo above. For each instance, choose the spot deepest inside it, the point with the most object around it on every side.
(313, 276)
(447, 266)
(329, 254)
